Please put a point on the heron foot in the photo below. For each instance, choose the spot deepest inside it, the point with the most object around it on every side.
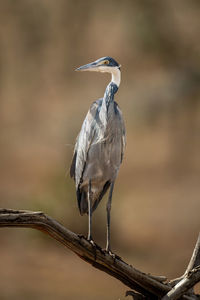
(108, 251)
(93, 247)
(81, 236)
(112, 254)
(89, 238)
(91, 242)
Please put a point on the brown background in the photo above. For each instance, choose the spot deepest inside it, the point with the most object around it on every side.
(155, 212)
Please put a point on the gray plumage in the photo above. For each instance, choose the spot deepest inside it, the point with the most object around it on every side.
(99, 149)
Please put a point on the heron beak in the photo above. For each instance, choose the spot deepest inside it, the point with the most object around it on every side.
(88, 67)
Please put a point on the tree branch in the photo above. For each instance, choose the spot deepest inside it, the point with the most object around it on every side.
(195, 259)
(184, 285)
(191, 276)
(97, 257)
(151, 287)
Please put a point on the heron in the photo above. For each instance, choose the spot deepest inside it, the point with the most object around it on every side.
(99, 147)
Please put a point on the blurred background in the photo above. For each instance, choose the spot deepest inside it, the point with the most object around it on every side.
(155, 211)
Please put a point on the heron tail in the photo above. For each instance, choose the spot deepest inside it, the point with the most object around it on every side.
(82, 201)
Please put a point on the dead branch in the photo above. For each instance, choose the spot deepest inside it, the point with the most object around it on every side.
(195, 259)
(191, 276)
(184, 285)
(151, 287)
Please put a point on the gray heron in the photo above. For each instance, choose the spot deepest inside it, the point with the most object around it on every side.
(99, 147)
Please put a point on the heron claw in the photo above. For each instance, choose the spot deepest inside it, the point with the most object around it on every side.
(110, 253)
(80, 236)
(93, 246)
(92, 242)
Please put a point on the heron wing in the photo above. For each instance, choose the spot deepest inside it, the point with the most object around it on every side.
(122, 127)
(83, 142)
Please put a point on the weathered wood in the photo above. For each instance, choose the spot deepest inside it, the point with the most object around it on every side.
(183, 286)
(195, 258)
(152, 287)
(187, 281)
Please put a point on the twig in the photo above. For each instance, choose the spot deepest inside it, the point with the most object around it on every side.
(184, 285)
(135, 295)
(187, 281)
(195, 259)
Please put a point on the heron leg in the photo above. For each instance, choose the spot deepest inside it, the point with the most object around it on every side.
(89, 212)
(108, 208)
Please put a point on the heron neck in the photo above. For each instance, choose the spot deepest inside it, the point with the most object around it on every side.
(110, 91)
(116, 76)
(107, 106)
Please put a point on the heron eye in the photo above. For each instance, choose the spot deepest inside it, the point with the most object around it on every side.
(106, 62)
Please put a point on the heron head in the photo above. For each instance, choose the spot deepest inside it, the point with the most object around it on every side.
(105, 64)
